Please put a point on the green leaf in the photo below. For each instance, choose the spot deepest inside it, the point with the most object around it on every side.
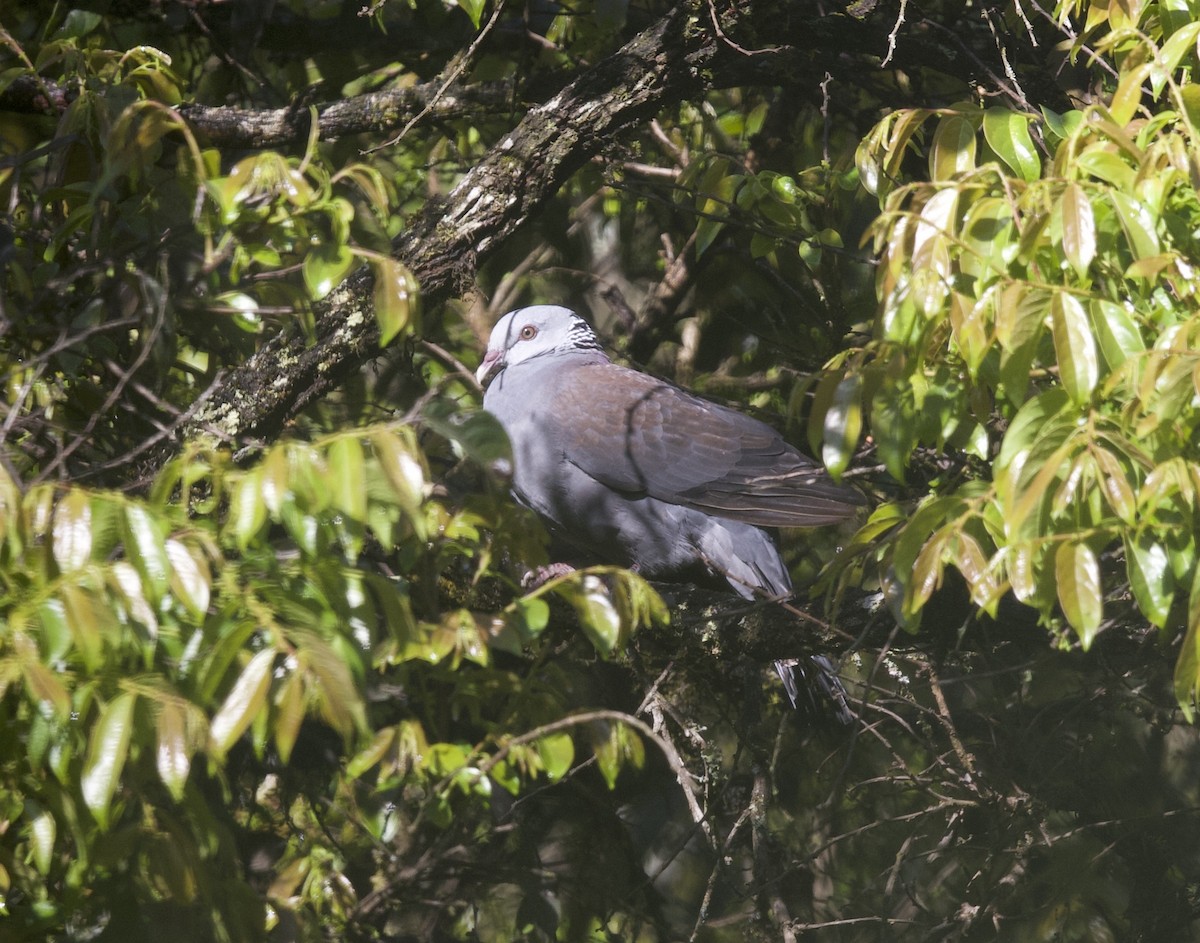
(71, 540)
(1137, 223)
(1127, 98)
(616, 745)
(1007, 133)
(372, 754)
(598, 616)
(43, 831)
(1074, 346)
(894, 426)
(1150, 576)
(324, 267)
(242, 704)
(289, 715)
(87, 617)
(953, 148)
(557, 753)
(249, 511)
(1078, 228)
(1077, 574)
(1187, 666)
(173, 753)
(190, 579)
(396, 299)
(1116, 331)
(145, 543)
(108, 748)
(843, 424)
(348, 470)
(473, 9)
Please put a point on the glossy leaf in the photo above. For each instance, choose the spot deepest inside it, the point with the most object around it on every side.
(1078, 577)
(1078, 228)
(243, 703)
(952, 151)
(396, 299)
(108, 749)
(145, 542)
(43, 832)
(324, 267)
(72, 537)
(173, 752)
(190, 579)
(1007, 133)
(1148, 567)
(1074, 346)
(842, 425)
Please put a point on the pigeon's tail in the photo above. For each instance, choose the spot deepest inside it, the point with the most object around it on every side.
(816, 671)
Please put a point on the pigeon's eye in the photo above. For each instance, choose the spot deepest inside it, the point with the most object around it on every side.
(528, 332)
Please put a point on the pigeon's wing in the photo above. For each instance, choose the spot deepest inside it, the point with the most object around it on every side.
(640, 435)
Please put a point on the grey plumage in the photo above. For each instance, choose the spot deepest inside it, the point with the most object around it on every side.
(625, 468)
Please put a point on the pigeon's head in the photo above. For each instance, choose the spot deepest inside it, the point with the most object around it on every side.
(534, 332)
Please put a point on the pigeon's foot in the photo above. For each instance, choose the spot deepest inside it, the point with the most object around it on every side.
(544, 574)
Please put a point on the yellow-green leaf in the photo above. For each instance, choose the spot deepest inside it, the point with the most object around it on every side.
(557, 753)
(396, 299)
(43, 831)
(324, 267)
(1074, 346)
(243, 702)
(1150, 576)
(1078, 577)
(953, 149)
(71, 541)
(108, 748)
(1078, 228)
(173, 752)
(843, 423)
(1007, 133)
(190, 579)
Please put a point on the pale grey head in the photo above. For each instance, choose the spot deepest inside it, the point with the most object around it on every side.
(536, 331)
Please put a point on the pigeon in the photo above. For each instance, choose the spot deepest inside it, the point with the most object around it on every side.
(628, 469)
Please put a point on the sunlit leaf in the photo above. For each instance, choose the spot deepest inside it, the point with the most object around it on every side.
(1078, 577)
(1150, 576)
(396, 299)
(953, 148)
(324, 267)
(557, 752)
(615, 745)
(1187, 666)
(1074, 346)
(289, 714)
(1078, 228)
(43, 832)
(108, 749)
(173, 752)
(190, 578)
(243, 703)
(1007, 133)
(1138, 224)
(843, 424)
(72, 536)
(145, 543)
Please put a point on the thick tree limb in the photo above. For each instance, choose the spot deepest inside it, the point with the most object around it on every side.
(374, 112)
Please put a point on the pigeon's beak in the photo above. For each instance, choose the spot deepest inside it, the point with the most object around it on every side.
(493, 363)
